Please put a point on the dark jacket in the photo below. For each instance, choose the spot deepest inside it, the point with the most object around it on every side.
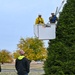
(22, 65)
(53, 19)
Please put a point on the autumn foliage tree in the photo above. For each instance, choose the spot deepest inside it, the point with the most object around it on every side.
(5, 56)
(61, 51)
(33, 47)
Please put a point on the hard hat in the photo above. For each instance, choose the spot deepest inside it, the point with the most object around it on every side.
(39, 14)
(52, 13)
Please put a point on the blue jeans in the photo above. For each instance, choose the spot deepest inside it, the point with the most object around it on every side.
(26, 74)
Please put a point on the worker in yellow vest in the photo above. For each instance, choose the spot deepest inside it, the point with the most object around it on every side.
(39, 20)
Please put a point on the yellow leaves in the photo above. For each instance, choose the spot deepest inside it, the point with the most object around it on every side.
(5, 56)
(33, 47)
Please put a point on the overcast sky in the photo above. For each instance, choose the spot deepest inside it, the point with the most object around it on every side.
(17, 18)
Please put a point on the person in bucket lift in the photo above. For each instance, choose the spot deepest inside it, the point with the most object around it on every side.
(53, 18)
(39, 20)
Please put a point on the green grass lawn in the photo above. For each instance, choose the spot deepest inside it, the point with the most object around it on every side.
(35, 69)
(13, 73)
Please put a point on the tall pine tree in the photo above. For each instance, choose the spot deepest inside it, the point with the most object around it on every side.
(61, 51)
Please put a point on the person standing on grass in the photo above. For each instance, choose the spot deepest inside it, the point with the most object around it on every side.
(22, 64)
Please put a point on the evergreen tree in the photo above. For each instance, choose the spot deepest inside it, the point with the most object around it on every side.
(61, 51)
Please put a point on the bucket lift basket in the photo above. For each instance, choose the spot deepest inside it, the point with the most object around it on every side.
(45, 33)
